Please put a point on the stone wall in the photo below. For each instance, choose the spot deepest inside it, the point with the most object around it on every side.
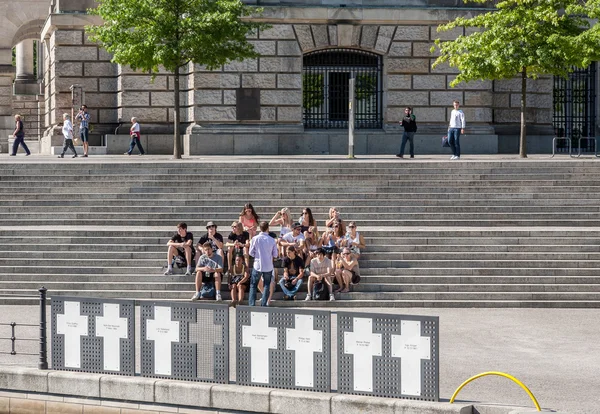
(275, 75)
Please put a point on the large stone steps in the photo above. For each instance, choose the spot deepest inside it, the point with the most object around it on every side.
(476, 234)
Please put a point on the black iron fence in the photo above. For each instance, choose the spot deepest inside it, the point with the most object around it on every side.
(20, 334)
(325, 89)
(574, 110)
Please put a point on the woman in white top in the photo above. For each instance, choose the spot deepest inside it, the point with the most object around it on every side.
(312, 242)
(67, 131)
(136, 137)
(354, 240)
(283, 219)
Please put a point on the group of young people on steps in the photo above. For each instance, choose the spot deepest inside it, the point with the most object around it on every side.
(305, 254)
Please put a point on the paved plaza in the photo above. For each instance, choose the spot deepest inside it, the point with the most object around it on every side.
(555, 352)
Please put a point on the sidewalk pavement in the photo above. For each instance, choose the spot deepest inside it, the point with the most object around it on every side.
(554, 352)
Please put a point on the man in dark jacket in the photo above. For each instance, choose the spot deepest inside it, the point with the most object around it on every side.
(409, 123)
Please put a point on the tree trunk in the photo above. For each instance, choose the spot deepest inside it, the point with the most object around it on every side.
(523, 137)
(177, 134)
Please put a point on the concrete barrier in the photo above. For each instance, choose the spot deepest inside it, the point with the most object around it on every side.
(33, 390)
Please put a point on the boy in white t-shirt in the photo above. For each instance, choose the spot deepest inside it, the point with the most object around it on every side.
(136, 138)
(67, 131)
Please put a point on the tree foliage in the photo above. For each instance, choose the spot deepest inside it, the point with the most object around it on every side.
(529, 38)
(147, 34)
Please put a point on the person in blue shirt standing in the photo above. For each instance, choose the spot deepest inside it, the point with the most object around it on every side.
(264, 249)
(456, 127)
(84, 127)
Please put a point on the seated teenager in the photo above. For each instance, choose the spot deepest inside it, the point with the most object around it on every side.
(347, 271)
(334, 217)
(306, 220)
(180, 245)
(215, 239)
(209, 271)
(238, 280)
(332, 240)
(283, 219)
(312, 243)
(321, 270)
(238, 243)
(354, 240)
(293, 272)
(295, 239)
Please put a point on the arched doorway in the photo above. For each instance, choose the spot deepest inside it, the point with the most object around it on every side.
(325, 88)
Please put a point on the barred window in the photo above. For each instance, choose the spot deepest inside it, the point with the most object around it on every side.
(325, 88)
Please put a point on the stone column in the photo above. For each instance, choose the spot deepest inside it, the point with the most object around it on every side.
(7, 122)
(25, 82)
(25, 60)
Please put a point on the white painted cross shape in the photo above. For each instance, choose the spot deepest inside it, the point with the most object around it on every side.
(73, 326)
(163, 331)
(364, 345)
(411, 347)
(259, 338)
(305, 341)
(112, 328)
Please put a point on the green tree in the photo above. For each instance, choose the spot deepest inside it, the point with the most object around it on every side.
(146, 34)
(522, 37)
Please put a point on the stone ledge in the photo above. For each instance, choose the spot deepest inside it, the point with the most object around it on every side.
(136, 390)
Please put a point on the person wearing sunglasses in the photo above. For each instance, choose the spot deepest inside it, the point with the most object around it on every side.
(249, 219)
(306, 220)
(214, 238)
(238, 243)
(312, 242)
(354, 240)
(331, 240)
(347, 271)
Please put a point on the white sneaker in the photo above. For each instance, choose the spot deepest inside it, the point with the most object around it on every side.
(218, 297)
(453, 157)
(169, 271)
(196, 296)
(457, 158)
(308, 297)
(331, 297)
(188, 271)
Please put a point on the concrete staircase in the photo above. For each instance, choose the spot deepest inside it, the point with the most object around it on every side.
(446, 234)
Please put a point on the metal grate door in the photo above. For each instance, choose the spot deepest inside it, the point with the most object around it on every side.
(325, 88)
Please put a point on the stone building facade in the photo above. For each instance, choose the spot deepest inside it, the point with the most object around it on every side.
(261, 106)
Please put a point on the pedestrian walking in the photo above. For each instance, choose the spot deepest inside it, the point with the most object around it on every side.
(409, 123)
(136, 137)
(67, 131)
(19, 137)
(84, 127)
(456, 127)
(263, 248)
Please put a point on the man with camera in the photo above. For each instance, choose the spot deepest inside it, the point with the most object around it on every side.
(409, 123)
(293, 272)
(84, 127)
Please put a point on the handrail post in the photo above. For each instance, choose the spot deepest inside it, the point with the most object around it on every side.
(43, 364)
(13, 338)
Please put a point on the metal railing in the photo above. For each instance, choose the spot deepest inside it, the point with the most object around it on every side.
(590, 145)
(42, 338)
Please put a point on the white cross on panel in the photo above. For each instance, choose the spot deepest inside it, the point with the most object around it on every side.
(412, 348)
(364, 345)
(305, 341)
(260, 338)
(163, 331)
(73, 326)
(112, 328)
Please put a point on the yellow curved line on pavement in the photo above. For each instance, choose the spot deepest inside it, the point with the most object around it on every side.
(501, 374)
